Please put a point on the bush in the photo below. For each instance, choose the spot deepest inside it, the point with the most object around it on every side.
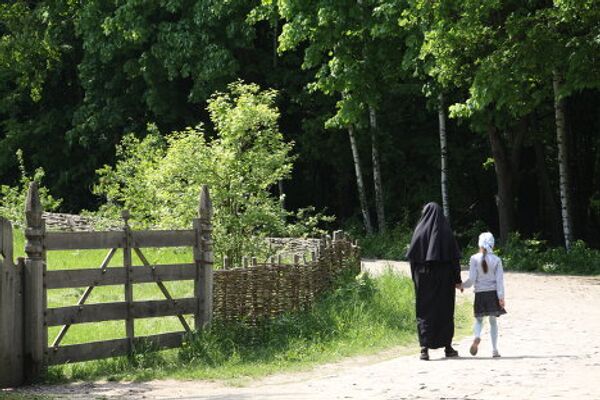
(158, 179)
(391, 245)
(12, 198)
(533, 255)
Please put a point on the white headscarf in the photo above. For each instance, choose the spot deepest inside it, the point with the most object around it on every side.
(486, 241)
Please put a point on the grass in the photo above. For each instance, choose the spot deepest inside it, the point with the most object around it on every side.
(363, 316)
(390, 245)
(7, 395)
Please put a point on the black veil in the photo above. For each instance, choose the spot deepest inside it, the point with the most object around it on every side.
(433, 239)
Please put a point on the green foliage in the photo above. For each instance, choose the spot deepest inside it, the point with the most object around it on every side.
(533, 255)
(154, 62)
(12, 198)
(391, 245)
(28, 55)
(39, 91)
(158, 179)
(76, 76)
(357, 51)
(505, 53)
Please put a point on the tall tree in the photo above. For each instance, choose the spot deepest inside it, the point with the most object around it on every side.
(362, 193)
(508, 55)
(39, 92)
(157, 61)
(443, 155)
(356, 50)
(379, 199)
(561, 141)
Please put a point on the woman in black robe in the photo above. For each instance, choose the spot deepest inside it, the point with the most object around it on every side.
(435, 267)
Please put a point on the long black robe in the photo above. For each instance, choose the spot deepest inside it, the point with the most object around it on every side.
(434, 260)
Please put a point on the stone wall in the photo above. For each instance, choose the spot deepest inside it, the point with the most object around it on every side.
(76, 223)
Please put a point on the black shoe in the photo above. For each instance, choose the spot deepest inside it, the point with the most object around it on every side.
(450, 352)
(424, 354)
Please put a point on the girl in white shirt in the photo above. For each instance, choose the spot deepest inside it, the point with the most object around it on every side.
(487, 277)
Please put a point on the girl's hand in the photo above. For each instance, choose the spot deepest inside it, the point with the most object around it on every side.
(501, 301)
(459, 286)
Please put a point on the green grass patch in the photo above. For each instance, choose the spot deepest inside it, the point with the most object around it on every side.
(363, 316)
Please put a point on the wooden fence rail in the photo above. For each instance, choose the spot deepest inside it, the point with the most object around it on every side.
(111, 348)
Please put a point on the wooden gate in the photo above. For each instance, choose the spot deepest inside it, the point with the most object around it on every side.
(31, 278)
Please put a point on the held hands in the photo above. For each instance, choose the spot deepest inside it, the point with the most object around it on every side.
(459, 286)
(501, 301)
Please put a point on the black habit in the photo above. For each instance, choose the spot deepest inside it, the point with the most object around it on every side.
(435, 267)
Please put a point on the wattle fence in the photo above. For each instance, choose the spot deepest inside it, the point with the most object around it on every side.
(247, 293)
(258, 291)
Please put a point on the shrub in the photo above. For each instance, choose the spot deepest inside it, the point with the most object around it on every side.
(390, 245)
(533, 255)
(158, 179)
(12, 198)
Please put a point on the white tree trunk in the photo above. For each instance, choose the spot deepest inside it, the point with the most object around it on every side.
(362, 194)
(561, 141)
(379, 206)
(444, 156)
(275, 33)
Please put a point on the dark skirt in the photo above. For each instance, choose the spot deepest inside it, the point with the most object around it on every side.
(434, 289)
(487, 304)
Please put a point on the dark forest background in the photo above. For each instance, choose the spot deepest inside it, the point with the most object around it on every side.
(76, 76)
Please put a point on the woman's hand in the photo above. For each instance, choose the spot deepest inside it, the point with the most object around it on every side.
(501, 301)
(459, 286)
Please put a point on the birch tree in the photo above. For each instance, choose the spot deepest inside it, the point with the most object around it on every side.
(379, 206)
(357, 49)
(362, 194)
(507, 61)
(561, 142)
(443, 155)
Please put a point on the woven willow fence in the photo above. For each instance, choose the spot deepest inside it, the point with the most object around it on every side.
(267, 290)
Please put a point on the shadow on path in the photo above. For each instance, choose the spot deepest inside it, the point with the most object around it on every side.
(523, 357)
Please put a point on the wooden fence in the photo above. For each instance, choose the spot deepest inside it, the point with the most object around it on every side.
(257, 291)
(25, 317)
(249, 292)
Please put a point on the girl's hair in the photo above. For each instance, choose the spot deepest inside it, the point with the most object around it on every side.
(483, 262)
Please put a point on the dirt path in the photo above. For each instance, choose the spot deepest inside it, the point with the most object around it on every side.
(549, 341)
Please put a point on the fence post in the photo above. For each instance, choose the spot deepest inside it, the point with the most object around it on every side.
(203, 258)
(36, 330)
(11, 311)
(127, 264)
